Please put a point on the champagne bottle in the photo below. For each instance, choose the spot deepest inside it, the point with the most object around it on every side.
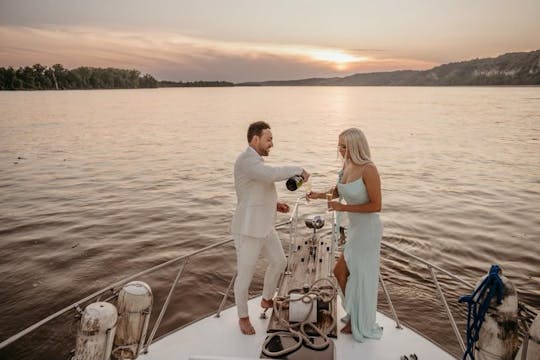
(294, 182)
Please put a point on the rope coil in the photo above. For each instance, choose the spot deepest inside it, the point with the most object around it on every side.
(477, 306)
(298, 331)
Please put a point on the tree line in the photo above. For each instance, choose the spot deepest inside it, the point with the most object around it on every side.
(166, 83)
(56, 77)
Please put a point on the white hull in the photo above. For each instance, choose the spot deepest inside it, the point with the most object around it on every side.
(220, 338)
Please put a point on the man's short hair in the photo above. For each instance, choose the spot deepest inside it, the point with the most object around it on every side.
(256, 129)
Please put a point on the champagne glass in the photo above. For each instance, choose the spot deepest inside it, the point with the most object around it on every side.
(307, 188)
(329, 196)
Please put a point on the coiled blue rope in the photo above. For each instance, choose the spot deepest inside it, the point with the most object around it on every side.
(478, 304)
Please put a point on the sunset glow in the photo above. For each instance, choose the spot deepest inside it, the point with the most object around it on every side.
(188, 41)
(337, 57)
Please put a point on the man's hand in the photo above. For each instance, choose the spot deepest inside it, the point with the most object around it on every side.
(305, 175)
(282, 207)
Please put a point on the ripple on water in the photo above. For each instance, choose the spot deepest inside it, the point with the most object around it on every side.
(100, 193)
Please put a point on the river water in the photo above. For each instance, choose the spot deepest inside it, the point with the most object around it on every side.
(98, 185)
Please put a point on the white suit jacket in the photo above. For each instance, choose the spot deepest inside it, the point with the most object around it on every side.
(256, 194)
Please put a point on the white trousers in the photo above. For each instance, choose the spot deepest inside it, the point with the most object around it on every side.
(247, 252)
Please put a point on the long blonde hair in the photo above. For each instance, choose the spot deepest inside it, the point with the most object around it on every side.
(357, 146)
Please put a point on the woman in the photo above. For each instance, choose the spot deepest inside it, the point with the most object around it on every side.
(357, 269)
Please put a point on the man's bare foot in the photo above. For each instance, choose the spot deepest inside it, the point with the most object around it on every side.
(347, 328)
(266, 304)
(245, 326)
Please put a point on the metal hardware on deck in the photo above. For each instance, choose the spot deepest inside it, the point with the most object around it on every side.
(316, 222)
(410, 357)
(398, 325)
(263, 314)
(291, 242)
(292, 234)
(447, 308)
(333, 244)
(304, 281)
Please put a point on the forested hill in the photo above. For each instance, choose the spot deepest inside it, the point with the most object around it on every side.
(56, 77)
(521, 68)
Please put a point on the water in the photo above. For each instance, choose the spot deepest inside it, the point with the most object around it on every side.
(98, 185)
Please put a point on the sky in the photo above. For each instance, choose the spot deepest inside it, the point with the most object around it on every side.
(255, 40)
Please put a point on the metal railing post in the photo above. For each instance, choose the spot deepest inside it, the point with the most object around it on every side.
(394, 314)
(447, 308)
(165, 305)
(218, 313)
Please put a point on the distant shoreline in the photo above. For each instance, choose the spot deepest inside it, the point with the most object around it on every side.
(512, 69)
(278, 86)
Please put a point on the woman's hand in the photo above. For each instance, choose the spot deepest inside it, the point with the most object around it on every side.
(313, 195)
(335, 206)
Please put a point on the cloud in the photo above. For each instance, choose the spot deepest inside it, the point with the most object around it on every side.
(172, 56)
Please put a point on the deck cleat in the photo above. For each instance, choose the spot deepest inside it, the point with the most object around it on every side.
(263, 314)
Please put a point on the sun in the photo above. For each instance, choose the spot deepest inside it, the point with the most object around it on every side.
(338, 57)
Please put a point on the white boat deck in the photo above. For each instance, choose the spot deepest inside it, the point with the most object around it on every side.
(220, 338)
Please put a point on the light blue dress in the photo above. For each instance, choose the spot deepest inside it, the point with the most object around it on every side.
(362, 255)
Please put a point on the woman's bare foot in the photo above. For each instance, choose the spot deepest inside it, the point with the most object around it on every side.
(245, 326)
(347, 328)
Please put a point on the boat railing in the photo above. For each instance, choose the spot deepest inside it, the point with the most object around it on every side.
(435, 280)
(110, 292)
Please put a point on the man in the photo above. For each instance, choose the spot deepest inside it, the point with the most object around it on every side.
(253, 222)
